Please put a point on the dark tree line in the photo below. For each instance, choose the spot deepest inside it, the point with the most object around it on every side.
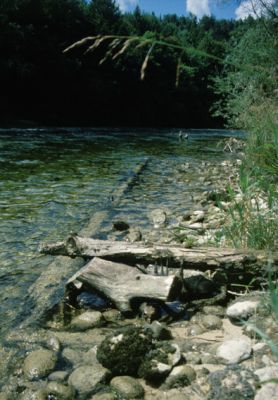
(39, 83)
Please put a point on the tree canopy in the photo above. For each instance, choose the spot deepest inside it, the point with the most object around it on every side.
(39, 82)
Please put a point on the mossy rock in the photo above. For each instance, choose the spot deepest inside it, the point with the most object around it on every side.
(124, 350)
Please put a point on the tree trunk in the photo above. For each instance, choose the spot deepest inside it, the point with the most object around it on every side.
(121, 283)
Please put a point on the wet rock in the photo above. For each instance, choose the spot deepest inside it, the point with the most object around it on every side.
(87, 378)
(198, 216)
(73, 357)
(87, 320)
(180, 376)
(39, 363)
(233, 383)
(120, 225)
(112, 315)
(193, 358)
(123, 351)
(54, 344)
(58, 376)
(234, 351)
(242, 310)
(195, 330)
(159, 331)
(158, 217)
(134, 235)
(29, 394)
(214, 310)
(127, 387)
(59, 391)
(211, 322)
(159, 362)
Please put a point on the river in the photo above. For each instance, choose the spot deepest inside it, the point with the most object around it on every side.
(53, 180)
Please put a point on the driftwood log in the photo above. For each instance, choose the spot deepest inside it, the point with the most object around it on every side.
(132, 253)
(122, 284)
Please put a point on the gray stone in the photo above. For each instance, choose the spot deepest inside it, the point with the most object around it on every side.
(134, 235)
(269, 391)
(29, 394)
(267, 373)
(73, 357)
(158, 217)
(214, 310)
(127, 387)
(60, 391)
(233, 383)
(87, 320)
(54, 344)
(193, 358)
(195, 330)
(39, 363)
(211, 322)
(242, 309)
(112, 315)
(234, 351)
(182, 375)
(198, 216)
(58, 376)
(85, 379)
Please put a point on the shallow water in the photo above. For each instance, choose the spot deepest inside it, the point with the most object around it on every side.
(52, 181)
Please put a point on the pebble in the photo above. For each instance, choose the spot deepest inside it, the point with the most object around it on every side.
(211, 322)
(39, 363)
(87, 320)
(85, 379)
(234, 351)
(180, 376)
(127, 387)
(242, 309)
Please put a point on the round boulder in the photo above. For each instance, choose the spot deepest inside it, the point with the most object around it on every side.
(39, 363)
(127, 387)
(234, 351)
(87, 378)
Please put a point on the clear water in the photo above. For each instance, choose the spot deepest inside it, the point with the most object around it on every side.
(52, 181)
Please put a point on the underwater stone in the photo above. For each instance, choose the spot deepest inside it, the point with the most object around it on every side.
(39, 363)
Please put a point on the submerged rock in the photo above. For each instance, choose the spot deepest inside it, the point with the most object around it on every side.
(158, 217)
(39, 363)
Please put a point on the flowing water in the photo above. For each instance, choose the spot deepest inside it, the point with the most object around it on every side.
(53, 180)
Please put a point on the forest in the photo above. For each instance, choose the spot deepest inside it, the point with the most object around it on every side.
(42, 85)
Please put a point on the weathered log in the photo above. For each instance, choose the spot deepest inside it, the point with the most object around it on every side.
(121, 283)
(197, 258)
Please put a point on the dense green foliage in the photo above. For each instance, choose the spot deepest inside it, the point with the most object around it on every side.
(40, 83)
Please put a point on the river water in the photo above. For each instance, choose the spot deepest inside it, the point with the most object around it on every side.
(53, 180)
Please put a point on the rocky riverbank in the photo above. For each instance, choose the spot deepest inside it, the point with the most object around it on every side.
(89, 350)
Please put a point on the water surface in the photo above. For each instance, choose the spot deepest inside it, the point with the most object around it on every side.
(52, 181)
